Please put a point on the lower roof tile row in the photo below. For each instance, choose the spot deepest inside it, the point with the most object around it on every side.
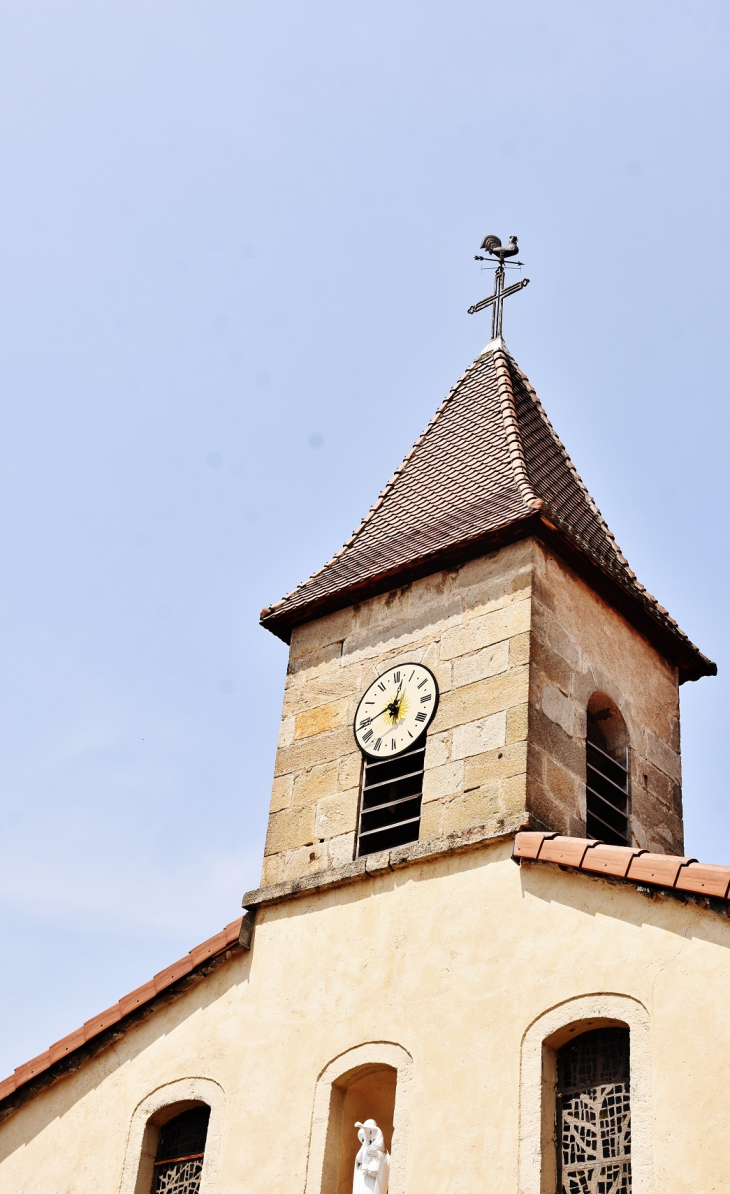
(625, 862)
(128, 1003)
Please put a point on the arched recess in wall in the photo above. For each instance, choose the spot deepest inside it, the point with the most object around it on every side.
(376, 1075)
(540, 1044)
(152, 1112)
(607, 772)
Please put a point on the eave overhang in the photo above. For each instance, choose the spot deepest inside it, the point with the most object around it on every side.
(644, 616)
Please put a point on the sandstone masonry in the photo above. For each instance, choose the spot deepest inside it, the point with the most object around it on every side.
(518, 644)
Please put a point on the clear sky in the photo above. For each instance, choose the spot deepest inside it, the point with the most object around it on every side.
(236, 247)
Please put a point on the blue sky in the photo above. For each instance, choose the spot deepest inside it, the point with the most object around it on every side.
(236, 252)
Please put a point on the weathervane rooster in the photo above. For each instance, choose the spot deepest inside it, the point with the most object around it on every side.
(493, 245)
(498, 251)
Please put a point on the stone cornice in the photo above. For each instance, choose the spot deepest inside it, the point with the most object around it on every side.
(377, 864)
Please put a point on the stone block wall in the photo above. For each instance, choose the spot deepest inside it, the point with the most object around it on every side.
(471, 627)
(579, 646)
(518, 644)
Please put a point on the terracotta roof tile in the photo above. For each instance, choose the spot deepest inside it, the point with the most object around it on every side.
(704, 878)
(135, 998)
(637, 866)
(23, 1073)
(568, 851)
(129, 1003)
(610, 860)
(488, 463)
(103, 1020)
(529, 842)
(66, 1045)
(171, 973)
(662, 869)
(208, 948)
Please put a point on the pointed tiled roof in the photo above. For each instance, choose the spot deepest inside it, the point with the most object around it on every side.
(488, 468)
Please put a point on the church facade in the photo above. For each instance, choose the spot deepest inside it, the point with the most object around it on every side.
(478, 956)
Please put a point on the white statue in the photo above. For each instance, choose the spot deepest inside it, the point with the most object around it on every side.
(372, 1163)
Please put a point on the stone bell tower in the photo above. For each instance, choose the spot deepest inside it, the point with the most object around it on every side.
(486, 561)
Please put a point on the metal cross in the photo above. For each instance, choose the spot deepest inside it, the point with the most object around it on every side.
(501, 292)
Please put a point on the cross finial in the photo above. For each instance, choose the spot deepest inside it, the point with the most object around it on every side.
(493, 245)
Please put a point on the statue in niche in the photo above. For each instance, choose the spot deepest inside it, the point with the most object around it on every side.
(372, 1163)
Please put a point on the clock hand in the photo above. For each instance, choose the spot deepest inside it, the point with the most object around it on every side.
(369, 720)
(388, 709)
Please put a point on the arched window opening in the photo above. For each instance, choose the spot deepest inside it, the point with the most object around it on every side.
(180, 1152)
(366, 1092)
(593, 1106)
(607, 773)
(369, 1097)
(368, 1081)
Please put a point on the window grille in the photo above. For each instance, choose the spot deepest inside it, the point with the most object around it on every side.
(390, 808)
(179, 1158)
(594, 1114)
(607, 789)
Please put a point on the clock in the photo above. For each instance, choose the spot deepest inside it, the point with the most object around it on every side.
(396, 710)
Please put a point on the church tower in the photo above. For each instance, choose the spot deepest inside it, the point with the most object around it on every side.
(477, 956)
(486, 571)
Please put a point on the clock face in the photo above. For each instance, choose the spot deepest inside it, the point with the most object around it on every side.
(396, 710)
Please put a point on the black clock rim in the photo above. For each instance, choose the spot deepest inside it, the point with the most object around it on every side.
(396, 753)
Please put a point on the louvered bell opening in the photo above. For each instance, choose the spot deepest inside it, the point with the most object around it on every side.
(390, 809)
(607, 796)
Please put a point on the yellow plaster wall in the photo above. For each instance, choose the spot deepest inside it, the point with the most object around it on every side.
(453, 960)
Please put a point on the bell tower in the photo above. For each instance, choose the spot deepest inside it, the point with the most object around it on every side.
(486, 564)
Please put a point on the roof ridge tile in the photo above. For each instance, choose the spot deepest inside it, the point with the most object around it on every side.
(567, 459)
(512, 430)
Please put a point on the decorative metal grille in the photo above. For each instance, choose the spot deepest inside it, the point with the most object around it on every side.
(179, 1177)
(180, 1153)
(607, 791)
(390, 808)
(594, 1114)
